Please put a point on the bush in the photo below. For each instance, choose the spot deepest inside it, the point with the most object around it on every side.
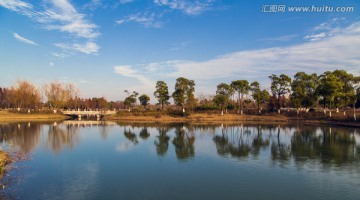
(157, 115)
(177, 113)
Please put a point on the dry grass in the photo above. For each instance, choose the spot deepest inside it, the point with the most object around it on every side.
(199, 118)
(6, 116)
(4, 160)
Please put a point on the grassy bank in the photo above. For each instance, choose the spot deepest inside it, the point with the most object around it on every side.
(208, 118)
(196, 117)
(8, 116)
(168, 117)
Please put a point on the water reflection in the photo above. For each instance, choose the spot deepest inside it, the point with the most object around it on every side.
(283, 144)
(62, 137)
(184, 142)
(130, 135)
(162, 142)
(280, 149)
(144, 133)
(23, 136)
(240, 141)
(329, 146)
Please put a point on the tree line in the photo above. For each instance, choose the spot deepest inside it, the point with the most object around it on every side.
(330, 90)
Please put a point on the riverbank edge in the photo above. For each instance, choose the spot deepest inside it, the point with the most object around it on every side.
(6, 117)
(229, 119)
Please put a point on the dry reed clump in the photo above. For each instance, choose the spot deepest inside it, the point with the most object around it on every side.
(4, 160)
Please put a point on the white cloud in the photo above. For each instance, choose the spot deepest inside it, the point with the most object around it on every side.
(62, 16)
(88, 48)
(148, 19)
(125, 1)
(126, 70)
(340, 51)
(59, 55)
(188, 7)
(15, 5)
(284, 38)
(316, 37)
(326, 29)
(59, 15)
(24, 40)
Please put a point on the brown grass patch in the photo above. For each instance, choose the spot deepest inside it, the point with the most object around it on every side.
(4, 160)
(15, 116)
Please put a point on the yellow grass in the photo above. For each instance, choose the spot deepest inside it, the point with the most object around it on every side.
(6, 116)
(206, 118)
(4, 159)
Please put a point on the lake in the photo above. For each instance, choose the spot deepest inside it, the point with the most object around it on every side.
(108, 160)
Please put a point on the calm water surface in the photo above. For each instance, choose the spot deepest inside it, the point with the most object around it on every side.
(86, 160)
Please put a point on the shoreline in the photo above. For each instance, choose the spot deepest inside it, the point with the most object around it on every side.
(230, 119)
(196, 118)
(6, 116)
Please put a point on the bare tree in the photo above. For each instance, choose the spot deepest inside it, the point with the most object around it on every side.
(58, 94)
(24, 95)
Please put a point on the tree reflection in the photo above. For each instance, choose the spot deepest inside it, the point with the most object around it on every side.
(25, 136)
(104, 133)
(222, 142)
(280, 150)
(331, 146)
(144, 133)
(130, 136)
(304, 144)
(184, 143)
(259, 142)
(162, 142)
(234, 140)
(62, 137)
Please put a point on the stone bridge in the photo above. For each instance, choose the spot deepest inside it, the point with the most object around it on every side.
(94, 113)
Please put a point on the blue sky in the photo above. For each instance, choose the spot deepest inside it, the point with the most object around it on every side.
(105, 47)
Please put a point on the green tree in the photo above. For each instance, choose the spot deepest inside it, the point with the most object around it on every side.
(304, 90)
(241, 87)
(329, 87)
(144, 100)
(260, 96)
(184, 92)
(280, 85)
(223, 94)
(131, 99)
(344, 96)
(162, 93)
(354, 96)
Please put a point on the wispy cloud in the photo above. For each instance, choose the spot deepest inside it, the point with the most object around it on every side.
(148, 19)
(125, 1)
(62, 16)
(24, 40)
(151, 19)
(126, 70)
(178, 46)
(324, 30)
(316, 37)
(60, 55)
(284, 38)
(87, 48)
(188, 7)
(59, 15)
(15, 5)
(338, 52)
